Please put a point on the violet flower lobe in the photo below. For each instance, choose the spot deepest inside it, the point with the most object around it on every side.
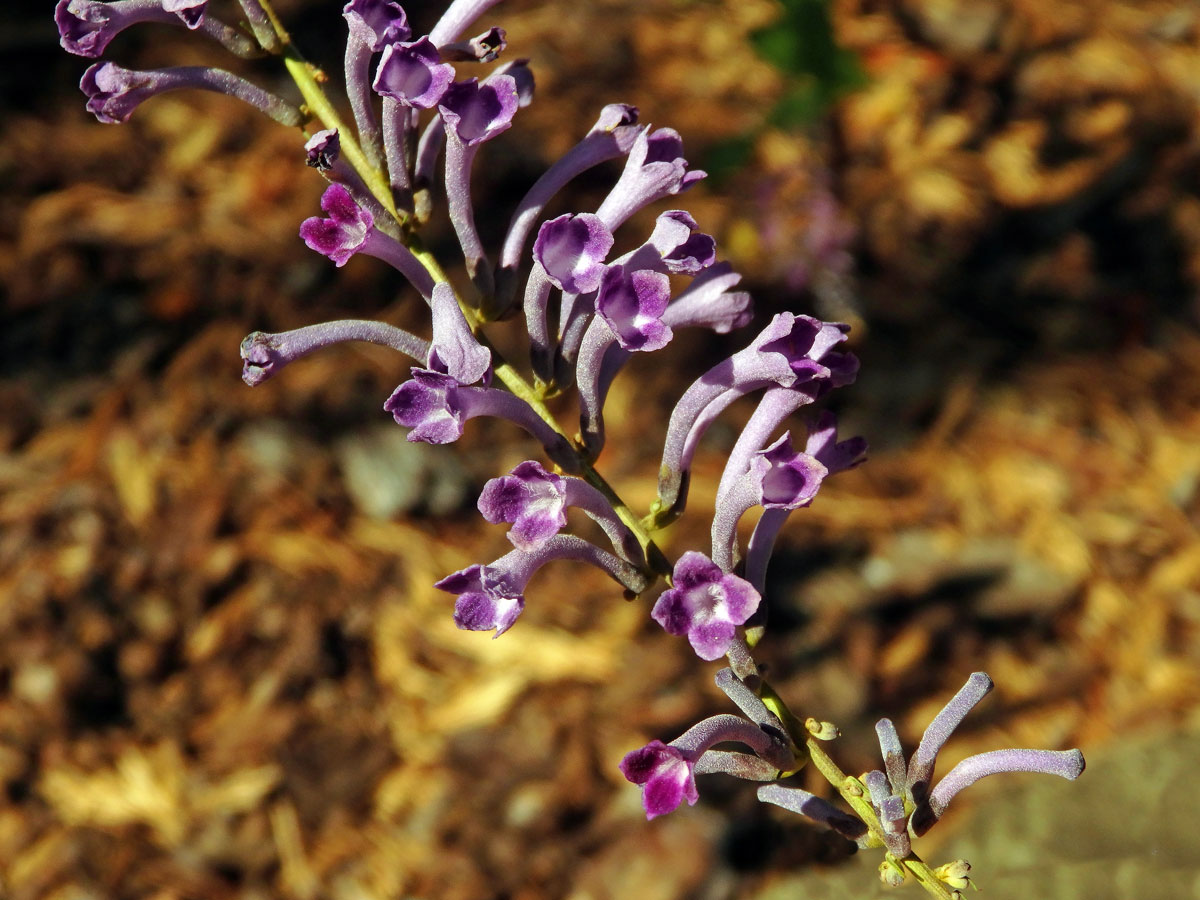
(492, 596)
(655, 169)
(706, 604)
(535, 502)
(666, 772)
(454, 349)
(412, 74)
(86, 27)
(349, 228)
(435, 406)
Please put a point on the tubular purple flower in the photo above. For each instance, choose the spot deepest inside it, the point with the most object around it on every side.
(410, 77)
(772, 358)
(706, 604)
(893, 756)
(569, 254)
(613, 134)
(434, 135)
(676, 245)
(572, 249)
(920, 767)
(483, 48)
(454, 350)
(350, 228)
(749, 703)
(86, 27)
(778, 478)
(666, 772)
(629, 307)
(265, 354)
(435, 406)
(473, 113)
(655, 169)
(535, 502)
(457, 18)
(492, 596)
(739, 765)
(1068, 764)
(373, 25)
(114, 92)
(819, 810)
(708, 302)
(666, 775)
(822, 446)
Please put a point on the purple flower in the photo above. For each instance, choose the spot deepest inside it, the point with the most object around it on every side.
(632, 305)
(413, 74)
(532, 499)
(706, 604)
(454, 350)
(191, 12)
(376, 23)
(114, 92)
(86, 27)
(655, 169)
(824, 446)
(683, 248)
(783, 478)
(487, 599)
(477, 111)
(264, 354)
(708, 302)
(483, 48)
(432, 405)
(343, 232)
(666, 774)
(572, 250)
(435, 406)
(322, 149)
(492, 596)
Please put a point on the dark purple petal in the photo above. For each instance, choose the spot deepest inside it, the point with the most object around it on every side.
(486, 600)
(530, 498)
(114, 92)
(683, 248)
(191, 12)
(85, 27)
(376, 23)
(455, 350)
(834, 455)
(428, 404)
(632, 305)
(343, 232)
(413, 74)
(666, 776)
(786, 479)
(478, 111)
(572, 250)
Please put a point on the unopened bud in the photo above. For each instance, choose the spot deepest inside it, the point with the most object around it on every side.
(955, 874)
(892, 873)
(822, 731)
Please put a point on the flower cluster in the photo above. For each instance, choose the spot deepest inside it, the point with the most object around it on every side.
(423, 107)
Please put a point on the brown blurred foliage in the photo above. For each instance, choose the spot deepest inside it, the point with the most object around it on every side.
(224, 671)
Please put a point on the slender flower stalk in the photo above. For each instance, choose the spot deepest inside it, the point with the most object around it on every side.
(114, 92)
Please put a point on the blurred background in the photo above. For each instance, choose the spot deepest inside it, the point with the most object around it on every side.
(224, 672)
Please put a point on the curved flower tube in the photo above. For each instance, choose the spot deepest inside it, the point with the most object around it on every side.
(86, 27)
